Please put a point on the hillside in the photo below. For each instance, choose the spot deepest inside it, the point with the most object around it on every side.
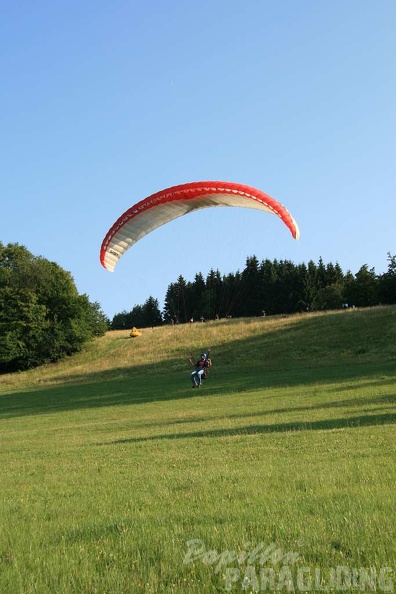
(117, 478)
(353, 336)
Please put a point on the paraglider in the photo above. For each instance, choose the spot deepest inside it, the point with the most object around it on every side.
(201, 369)
(166, 205)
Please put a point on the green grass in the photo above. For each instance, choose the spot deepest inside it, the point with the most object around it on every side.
(110, 463)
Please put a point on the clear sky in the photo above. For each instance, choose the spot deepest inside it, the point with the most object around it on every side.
(104, 103)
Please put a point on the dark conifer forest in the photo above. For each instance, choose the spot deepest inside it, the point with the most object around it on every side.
(265, 288)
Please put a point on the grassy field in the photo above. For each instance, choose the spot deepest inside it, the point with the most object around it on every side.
(278, 475)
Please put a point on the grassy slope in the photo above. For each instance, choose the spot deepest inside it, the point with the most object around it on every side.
(111, 463)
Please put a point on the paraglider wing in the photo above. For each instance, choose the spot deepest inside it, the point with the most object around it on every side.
(164, 206)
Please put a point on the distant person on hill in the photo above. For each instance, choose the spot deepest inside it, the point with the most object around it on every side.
(200, 371)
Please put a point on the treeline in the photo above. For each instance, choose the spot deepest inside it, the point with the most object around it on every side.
(141, 316)
(42, 316)
(265, 288)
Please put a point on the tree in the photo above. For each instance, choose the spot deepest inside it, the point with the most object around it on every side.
(42, 316)
(94, 317)
(176, 306)
(231, 303)
(290, 288)
(135, 317)
(387, 282)
(252, 295)
(151, 315)
(363, 290)
(197, 296)
(23, 329)
(121, 321)
(329, 297)
(210, 304)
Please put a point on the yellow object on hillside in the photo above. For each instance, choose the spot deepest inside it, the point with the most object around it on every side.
(135, 332)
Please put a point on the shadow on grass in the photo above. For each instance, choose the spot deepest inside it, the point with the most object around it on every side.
(143, 388)
(322, 425)
(309, 352)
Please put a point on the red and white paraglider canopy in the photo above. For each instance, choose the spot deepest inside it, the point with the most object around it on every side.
(164, 206)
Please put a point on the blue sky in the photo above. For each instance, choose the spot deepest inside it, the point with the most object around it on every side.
(104, 103)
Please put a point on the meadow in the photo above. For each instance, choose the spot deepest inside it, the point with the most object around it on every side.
(277, 475)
